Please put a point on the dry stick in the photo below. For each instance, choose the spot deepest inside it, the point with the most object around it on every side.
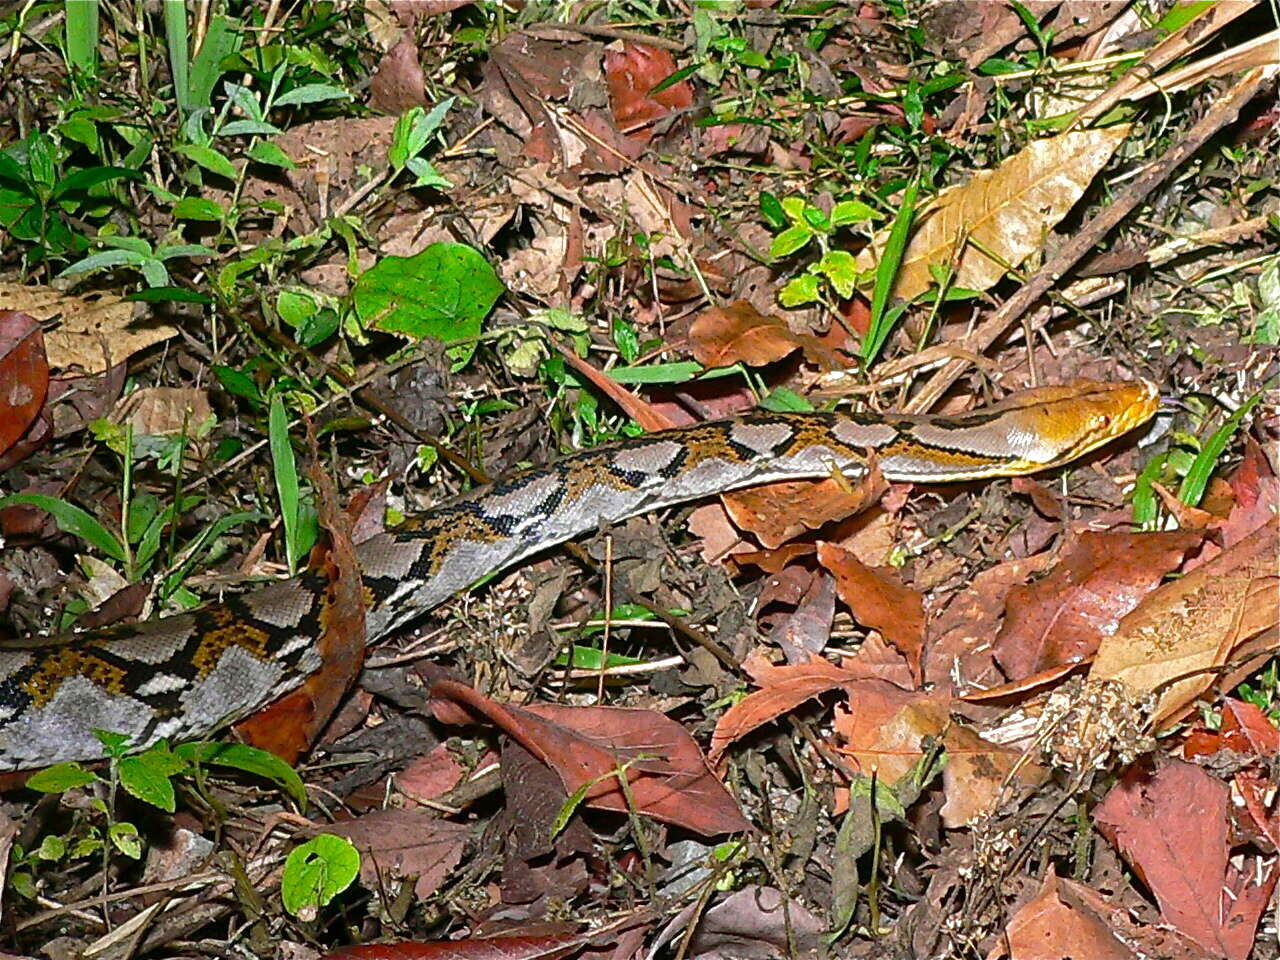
(1219, 115)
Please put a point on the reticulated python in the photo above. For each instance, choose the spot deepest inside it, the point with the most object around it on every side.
(185, 676)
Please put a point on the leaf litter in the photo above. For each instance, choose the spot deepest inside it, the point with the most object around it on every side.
(896, 703)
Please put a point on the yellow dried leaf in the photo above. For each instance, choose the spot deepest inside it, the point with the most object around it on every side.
(92, 330)
(1008, 211)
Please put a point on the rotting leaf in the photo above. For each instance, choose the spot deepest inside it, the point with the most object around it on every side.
(404, 843)
(778, 512)
(632, 73)
(1062, 618)
(668, 778)
(1173, 642)
(532, 947)
(1054, 923)
(1007, 211)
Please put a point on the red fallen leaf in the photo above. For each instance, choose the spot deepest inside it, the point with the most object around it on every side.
(473, 948)
(24, 375)
(1245, 729)
(783, 688)
(668, 778)
(879, 600)
(632, 73)
(431, 775)
(958, 651)
(1172, 829)
(1044, 499)
(293, 723)
(1054, 924)
(404, 843)
(778, 512)
(1062, 618)
(1257, 495)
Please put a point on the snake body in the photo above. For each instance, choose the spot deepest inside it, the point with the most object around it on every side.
(185, 676)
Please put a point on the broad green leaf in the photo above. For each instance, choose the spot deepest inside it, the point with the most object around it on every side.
(84, 179)
(851, 211)
(238, 383)
(790, 240)
(317, 871)
(197, 208)
(208, 158)
(839, 267)
(125, 838)
(73, 520)
(147, 776)
(241, 128)
(444, 292)
(1196, 481)
(285, 469)
(310, 93)
(678, 372)
(104, 261)
(799, 290)
(772, 211)
(61, 777)
(264, 151)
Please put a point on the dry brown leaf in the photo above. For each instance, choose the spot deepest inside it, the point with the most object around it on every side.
(1172, 643)
(161, 411)
(879, 600)
(95, 331)
(1008, 211)
(739, 333)
(778, 512)
(1053, 924)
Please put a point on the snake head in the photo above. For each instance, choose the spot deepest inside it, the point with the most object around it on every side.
(1052, 425)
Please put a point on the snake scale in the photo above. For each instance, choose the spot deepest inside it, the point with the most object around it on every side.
(185, 676)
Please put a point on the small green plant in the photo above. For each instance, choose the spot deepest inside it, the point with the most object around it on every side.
(137, 253)
(40, 197)
(317, 871)
(151, 776)
(801, 224)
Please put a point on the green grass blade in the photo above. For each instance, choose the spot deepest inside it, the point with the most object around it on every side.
(286, 474)
(175, 32)
(1196, 481)
(82, 36)
(71, 519)
(880, 325)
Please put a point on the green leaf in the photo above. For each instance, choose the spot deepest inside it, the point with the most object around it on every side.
(680, 371)
(241, 128)
(310, 93)
(444, 292)
(61, 777)
(264, 151)
(104, 261)
(251, 760)
(197, 208)
(799, 290)
(169, 295)
(851, 211)
(84, 179)
(286, 475)
(147, 776)
(790, 240)
(237, 383)
(125, 838)
(772, 211)
(878, 328)
(839, 267)
(208, 158)
(317, 871)
(73, 520)
(426, 174)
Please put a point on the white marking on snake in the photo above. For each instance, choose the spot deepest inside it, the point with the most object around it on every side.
(760, 437)
(649, 458)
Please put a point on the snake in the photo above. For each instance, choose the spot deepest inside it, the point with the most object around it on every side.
(185, 676)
